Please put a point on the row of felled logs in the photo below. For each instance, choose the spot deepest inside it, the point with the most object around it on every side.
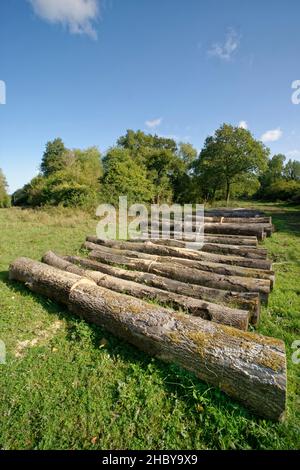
(248, 367)
(209, 274)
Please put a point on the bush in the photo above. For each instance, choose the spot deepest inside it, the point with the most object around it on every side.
(283, 191)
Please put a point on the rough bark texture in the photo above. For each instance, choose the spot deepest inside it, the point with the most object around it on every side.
(227, 212)
(237, 220)
(236, 250)
(207, 310)
(248, 367)
(243, 300)
(217, 268)
(164, 250)
(216, 238)
(190, 275)
(243, 229)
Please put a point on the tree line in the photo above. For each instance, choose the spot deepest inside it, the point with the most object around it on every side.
(153, 169)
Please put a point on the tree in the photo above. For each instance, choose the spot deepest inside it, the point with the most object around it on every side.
(182, 178)
(4, 197)
(55, 157)
(292, 170)
(160, 157)
(229, 155)
(71, 178)
(123, 176)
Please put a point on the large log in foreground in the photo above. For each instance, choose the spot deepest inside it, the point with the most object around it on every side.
(207, 310)
(189, 275)
(165, 250)
(249, 367)
(217, 268)
(242, 300)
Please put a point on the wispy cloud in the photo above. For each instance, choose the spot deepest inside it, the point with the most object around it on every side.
(243, 125)
(272, 135)
(228, 48)
(78, 15)
(294, 154)
(152, 124)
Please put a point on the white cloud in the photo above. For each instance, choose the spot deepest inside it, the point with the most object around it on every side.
(154, 123)
(77, 15)
(226, 50)
(243, 124)
(272, 135)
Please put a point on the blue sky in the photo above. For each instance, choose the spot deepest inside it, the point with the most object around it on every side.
(87, 70)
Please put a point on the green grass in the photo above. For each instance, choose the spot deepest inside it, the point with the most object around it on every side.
(74, 386)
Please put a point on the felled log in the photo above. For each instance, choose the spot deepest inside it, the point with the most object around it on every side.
(242, 300)
(190, 275)
(218, 268)
(248, 367)
(238, 212)
(216, 238)
(167, 250)
(207, 310)
(233, 220)
(257, 230)
(247, 252)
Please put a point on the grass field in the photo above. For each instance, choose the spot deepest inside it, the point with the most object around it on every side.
(69, 385)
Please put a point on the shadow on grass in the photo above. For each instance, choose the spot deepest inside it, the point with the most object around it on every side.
(285, 221)
(179, 383)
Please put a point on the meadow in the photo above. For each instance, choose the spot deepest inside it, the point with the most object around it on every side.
(67, 384)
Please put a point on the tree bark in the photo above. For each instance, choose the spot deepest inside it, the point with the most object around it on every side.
(176, 252)
(227, 212)
(248, 367)
(237, 220)
(258, 230)
(190, 275)
(231, 249)
(216, 238)
(218, 268)
(199, 308)
(241, 300)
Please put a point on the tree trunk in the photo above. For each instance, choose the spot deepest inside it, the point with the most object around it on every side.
(216, 238)
(241, 300)
(199, 308)
(190, 275)
(227, 193)
(176, 252)
(236, 220)
(218, 268)
(249, 367)
(238, 212)
(245, 251)
(258, 230)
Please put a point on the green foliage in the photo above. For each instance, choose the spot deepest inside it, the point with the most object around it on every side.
(292, 170)
(123, 176)
(166, 164)
(227, 157)
(283, 190)
(75, 183)
(4, 197)
(279, 181)
(55, 157)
